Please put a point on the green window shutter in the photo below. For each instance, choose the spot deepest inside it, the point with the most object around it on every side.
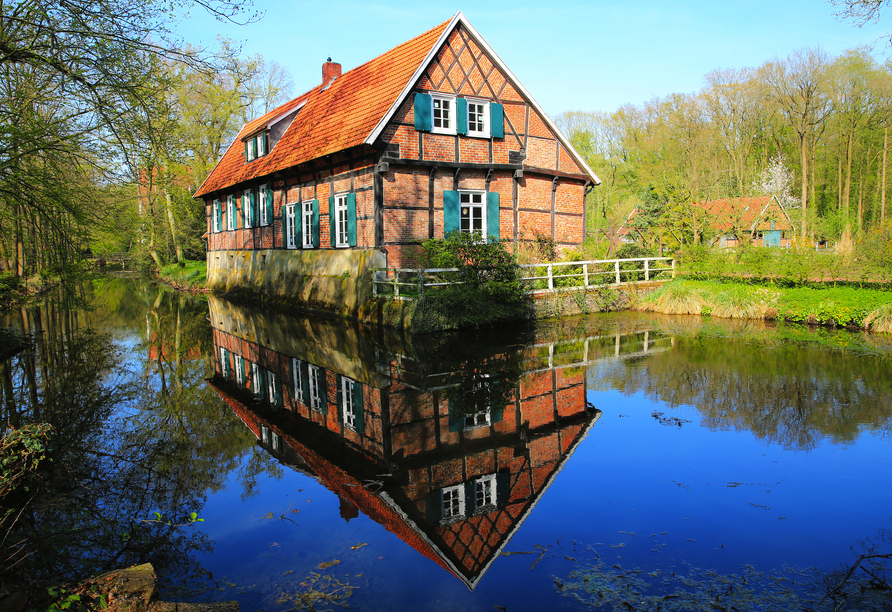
(424, 120)
(461, 115)
(323, 391)
(358, 408)
(219, 211)
(269, 205)
(497, 119)
(497, 414)
(492, 216)
(339, 381)
(255, 217)
(277, 384)
(351, 219)
(456, 423)
(266, 142)
(451, 212)
(246, 151)
(305, 383)
(316, 223)
(332, 226)
(433, 507)
(470, 497)
(261, 392)
(503, 488)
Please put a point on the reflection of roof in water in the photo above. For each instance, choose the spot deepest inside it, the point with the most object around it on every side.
(466, 548)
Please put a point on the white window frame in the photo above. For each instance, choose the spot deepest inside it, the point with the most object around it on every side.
(230, 212)
(452, 503)
(271, 378)
(215, 216)
(347, 402)
(260, 140)
(478, 419)
(246, 207)
(450, 128)
(289, 218)
(482, 205)
(315, 374)
(224, 363)
(486, 131)
(240, 370)
(342, 221)
(252, 149)
(261, 202)
(485, 485)
(306, 211)
(255, 379)
(295, 377)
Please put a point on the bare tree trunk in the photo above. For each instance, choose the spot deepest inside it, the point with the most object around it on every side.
(173, 229)
(883, 192)
(847, 191)
(19, 242)
(803, 157)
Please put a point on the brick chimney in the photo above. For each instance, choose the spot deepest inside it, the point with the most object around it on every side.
(330, 71)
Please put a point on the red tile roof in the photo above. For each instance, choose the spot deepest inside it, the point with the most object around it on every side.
(733, 213)
(332, 119)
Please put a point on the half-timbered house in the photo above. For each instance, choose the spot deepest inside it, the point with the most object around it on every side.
(433, 136)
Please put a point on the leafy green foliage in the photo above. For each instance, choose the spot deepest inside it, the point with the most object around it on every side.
(485, 290)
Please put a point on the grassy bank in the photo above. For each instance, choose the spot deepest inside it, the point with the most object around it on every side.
(869, 309)
(191, 277)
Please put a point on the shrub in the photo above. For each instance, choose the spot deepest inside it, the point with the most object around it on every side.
(486, 289)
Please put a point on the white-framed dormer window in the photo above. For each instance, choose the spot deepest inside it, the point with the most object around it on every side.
(485, 492)
(443, 114)
(342, 234)
(307, 222)
(316, 380)
(256, 380)
(348, 405)
(251, 149)
(246, 208)
(478, 118)
(453, 503)
(216, 217)
(261, 145)
(230, 212)
(263, 193)
(472, 212)
(289, 216)
(478, 419)
(295, 376)
(225, 370)
(271, 383)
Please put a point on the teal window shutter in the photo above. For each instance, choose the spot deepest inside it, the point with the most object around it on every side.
(351, 219)
(461, 115)
(255, 216)
(503, 488)
(423, 112)
(246, 151)
(315, 228)
(433, 507)
(332, 225)
(497, 119)
(358, 408)
(492, 216)
(470, 497)
(451, 212)
(304, 383)
(269, 205)
(339, 397)
(456, 422)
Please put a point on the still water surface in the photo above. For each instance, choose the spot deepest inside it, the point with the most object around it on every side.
(614, 461)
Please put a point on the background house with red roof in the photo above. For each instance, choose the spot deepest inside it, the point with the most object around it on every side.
(758, 220)
(433, 136)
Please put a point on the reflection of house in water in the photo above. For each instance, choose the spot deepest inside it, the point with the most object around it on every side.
(450, 454)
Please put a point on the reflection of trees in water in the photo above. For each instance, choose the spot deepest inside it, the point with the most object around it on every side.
(783, 392)
(125, 443)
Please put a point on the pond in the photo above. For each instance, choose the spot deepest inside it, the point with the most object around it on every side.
(614, 462)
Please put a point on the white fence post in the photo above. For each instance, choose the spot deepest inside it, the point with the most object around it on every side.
(618, 281)
(550, 277)
(396, 284)
(585, 275)
(646, 269)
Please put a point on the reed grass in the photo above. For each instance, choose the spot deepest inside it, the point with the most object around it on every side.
(879, 320)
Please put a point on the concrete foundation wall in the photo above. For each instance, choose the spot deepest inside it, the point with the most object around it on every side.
(331, 281)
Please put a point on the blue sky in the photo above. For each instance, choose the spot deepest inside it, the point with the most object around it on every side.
(569, 55)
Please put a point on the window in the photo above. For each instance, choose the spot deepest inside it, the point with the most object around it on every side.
(341, 221)
(256, 146)
(316, 382)
(230, 212)
(348, 402)
(478, 118)
(296, 378)
(485, 492)
(260, 139)
(265, 205)
(224, 363)
(307, 219)
(256, 380)
(289, 215)
(273, 389)
(216, 216)
(239, 370)
(479, 419)
(443, 114)
(453, 503)
(472, 212)
(246, 208)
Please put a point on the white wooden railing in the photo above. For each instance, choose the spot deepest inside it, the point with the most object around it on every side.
(411, 283)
